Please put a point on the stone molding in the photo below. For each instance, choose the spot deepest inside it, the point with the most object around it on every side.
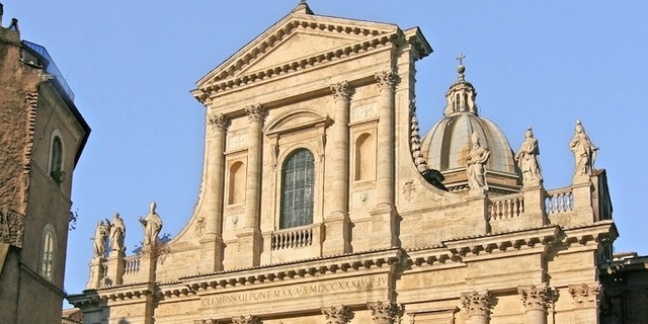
(386, 80)
(255, 112)
(535, 297)
(341, 91)
(246, 320)
(586, 296)
(476, 303)
(225, 78)
(384, 312)
(218, 121)
(32, 106)
(337, 314)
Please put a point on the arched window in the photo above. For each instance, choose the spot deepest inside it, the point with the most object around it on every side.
(47, 252)
(297, 183)
(365, 150)
(56, 160)
(236, 192)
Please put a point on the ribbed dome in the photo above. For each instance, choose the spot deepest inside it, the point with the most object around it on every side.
(447, 146)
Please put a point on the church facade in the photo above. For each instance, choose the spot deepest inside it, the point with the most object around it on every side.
(321, 202)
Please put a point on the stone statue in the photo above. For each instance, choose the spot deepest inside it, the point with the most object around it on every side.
(527, 159)
(99, 245)
(584, 151)
(475, 165)
(117, 231)
(152, 226)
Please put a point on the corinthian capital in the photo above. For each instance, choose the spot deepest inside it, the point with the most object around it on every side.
(585, 295)
(245, 320)
(476, 303)
(534, 297)
(383, 313)
(255, 112)
(386, 80)
(218, 121)
(336, 314)
(341, 91)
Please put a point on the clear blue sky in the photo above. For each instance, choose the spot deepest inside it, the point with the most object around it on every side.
(544, 64)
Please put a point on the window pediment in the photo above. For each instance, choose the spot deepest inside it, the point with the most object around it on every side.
(295, 121)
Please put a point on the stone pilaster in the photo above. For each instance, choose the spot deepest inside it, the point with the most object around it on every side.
(246, 320)
(115, 265)
(586, 303)
(336, 314)
(383, 313)
(534, 205)
(96, 273)
(249, 239)
(383, 216)
(477, 306)
(337, 223)
(535, 300)
(212, 239)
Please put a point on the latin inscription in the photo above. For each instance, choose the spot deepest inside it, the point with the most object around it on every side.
(296, 292)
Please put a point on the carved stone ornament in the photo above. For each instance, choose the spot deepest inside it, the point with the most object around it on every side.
(409, 189)
(200, 226)
(383, 313)
(336, 314)
(246, 320)
(585, 295)
(255, 113)
(341, 91)
(12, 228)
(386, 80)
(218, 121)
(476, 303)
(535, 297)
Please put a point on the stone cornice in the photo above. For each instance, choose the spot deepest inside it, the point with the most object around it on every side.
(218, 85)
(505, 241)
(273, 36)
(294, 270)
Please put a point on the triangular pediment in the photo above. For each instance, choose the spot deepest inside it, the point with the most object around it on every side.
(296, 37)
(298, 45)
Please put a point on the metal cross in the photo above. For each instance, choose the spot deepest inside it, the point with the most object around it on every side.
(460, 58)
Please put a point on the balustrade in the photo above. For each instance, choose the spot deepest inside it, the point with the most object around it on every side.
(559, 201)
(506, 207)
(292, 238)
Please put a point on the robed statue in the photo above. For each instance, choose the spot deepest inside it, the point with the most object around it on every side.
(584, 151)
(475, 165)
(527, 159)
(152, 224)
(99, 241)
(117, 233)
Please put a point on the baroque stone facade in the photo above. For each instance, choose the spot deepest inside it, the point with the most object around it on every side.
(322, 203)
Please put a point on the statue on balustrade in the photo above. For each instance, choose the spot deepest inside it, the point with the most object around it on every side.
(527, 158)
(475, 165)
(584, 151)
(152, 226)
(99, 244)
(117, 230)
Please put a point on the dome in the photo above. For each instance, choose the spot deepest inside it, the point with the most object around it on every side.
(447, 145)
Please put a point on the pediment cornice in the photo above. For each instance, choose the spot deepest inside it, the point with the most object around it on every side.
(359, 37)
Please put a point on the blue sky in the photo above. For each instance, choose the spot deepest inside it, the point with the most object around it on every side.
(543, 64)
